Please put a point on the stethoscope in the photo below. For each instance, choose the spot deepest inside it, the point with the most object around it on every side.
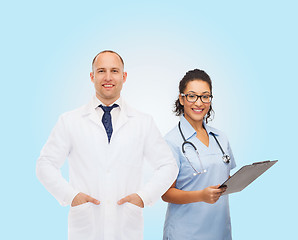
(225, 158)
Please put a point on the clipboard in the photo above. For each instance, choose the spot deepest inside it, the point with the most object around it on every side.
(245, 176)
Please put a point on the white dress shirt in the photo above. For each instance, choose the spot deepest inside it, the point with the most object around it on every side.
(114, 112)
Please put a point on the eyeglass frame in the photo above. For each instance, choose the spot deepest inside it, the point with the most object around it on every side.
(198, 96)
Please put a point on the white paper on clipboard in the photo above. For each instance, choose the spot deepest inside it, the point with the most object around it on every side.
(246, 175)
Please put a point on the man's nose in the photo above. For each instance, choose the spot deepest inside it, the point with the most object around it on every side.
(108, 76)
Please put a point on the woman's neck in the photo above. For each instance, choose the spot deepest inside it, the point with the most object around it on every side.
(197, 125)
(202, 134)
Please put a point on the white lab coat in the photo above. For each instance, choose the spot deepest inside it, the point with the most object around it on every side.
(107, 172)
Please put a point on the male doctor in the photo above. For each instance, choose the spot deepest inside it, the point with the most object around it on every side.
(106, 143)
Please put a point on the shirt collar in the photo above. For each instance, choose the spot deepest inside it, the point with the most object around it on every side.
(189, 131)
(123, 106)
(210, 129)
(96, 102)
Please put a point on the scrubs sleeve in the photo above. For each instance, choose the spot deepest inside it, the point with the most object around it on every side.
(233, 163)
(174, 150)
(51, 159)
(160, 157)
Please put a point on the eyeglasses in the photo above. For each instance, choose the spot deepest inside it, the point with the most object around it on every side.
(190, 97)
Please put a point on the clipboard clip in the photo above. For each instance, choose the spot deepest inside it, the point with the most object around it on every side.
(261, 162)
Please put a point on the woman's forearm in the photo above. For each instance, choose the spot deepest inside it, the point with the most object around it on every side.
(177, 196)
(209, 195)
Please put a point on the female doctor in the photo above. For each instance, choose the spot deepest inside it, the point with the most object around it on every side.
(197, 209)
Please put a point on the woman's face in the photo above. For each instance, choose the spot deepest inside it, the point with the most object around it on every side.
(196, 111)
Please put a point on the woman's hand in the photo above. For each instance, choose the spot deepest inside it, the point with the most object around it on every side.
(211, 194)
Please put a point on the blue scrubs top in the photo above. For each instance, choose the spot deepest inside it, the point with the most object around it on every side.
(199, 220)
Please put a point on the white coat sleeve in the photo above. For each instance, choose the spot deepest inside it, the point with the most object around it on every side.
(51, 159)
(160, 157)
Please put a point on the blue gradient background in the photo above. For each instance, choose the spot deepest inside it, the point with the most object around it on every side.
(248, 48)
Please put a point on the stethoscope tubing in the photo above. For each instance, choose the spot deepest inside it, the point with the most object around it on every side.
(225, 157)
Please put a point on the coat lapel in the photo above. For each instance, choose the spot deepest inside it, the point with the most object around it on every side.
(122, 120)
(125, 113)
(91, 114)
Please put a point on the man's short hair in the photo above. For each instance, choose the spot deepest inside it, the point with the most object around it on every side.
(107, 51)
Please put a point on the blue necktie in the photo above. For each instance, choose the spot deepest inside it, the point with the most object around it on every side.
(107, 120)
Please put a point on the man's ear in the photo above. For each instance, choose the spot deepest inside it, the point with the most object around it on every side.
(92, 77)
(124, 76)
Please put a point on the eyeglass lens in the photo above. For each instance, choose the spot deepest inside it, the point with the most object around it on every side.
(193, 98)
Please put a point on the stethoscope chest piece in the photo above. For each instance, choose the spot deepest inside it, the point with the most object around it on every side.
(226, 158)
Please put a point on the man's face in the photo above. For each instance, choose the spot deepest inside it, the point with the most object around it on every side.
(108, 77)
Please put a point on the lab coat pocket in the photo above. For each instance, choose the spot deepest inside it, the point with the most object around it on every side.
(81, 222)
(134, 208)
(132, 221)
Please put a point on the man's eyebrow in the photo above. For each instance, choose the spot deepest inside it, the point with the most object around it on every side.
(107, 68)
